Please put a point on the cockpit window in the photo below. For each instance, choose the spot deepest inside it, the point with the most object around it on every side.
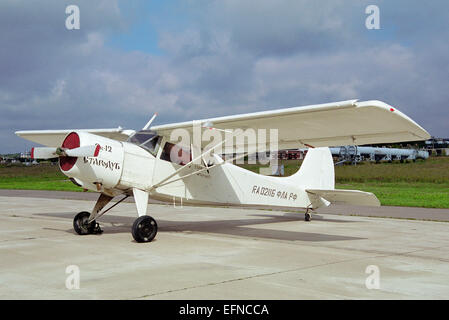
(147, 139)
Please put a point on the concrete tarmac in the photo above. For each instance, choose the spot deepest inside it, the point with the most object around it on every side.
(218, 253)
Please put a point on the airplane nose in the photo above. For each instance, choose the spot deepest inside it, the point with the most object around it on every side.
(72, 141)
(99, 171)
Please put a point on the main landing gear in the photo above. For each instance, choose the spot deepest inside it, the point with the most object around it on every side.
(144, 228)
(82, 225)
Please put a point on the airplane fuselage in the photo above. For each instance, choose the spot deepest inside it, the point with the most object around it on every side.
(121, 166)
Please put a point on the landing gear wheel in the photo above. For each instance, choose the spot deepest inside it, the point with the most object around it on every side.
(144, 229)
(81, 225)
(307, 217)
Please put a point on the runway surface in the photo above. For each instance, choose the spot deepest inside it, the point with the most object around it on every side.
(384, 211)
(220, 253)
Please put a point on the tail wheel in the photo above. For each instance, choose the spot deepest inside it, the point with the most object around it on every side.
(144, 229)
(307, 216)
(81, 225)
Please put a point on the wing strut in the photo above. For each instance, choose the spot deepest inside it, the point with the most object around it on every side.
(201, 170)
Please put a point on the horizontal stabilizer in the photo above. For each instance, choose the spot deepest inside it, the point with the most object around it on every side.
(351, 197)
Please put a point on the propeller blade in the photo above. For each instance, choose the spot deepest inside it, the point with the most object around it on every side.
(43, 153)
(86, 151)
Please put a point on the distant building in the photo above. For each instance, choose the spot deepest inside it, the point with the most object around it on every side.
(25, 155)
(438, 146)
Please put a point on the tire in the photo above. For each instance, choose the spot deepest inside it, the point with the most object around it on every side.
(80, 223)
(144, 229)
(308, 217)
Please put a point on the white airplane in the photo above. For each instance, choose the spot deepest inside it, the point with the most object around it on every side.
(117, 162)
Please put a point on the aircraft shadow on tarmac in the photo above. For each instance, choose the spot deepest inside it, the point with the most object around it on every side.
(238, 227)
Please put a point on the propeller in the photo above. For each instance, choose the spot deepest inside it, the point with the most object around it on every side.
(43, 153)
(86, 151)
(51, 152)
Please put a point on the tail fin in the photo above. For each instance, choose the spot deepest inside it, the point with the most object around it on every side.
(317, 170)
(317, 177)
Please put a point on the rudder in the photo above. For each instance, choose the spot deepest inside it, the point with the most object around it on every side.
(317, 170)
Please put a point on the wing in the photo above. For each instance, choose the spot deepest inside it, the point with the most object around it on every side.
(54, 138)
(331, 124)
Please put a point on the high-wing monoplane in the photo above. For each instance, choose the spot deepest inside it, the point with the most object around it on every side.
(184, 162)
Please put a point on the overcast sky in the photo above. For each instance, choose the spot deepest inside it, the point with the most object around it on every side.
(194, 59)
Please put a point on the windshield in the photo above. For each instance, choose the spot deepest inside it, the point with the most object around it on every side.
(147, 139)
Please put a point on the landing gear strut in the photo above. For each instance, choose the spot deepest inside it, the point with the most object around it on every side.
(144, 229)
(85, 222)
(82, 225)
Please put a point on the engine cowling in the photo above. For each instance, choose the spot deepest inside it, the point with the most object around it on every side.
(118, 166)
(95, 173)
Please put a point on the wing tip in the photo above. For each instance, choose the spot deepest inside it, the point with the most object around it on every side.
(418, 131)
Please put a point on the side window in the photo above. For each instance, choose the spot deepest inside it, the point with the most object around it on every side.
(147, 140)
(152, 145)
(176, 154)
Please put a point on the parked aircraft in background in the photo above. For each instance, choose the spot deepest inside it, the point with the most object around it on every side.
(356, 154)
